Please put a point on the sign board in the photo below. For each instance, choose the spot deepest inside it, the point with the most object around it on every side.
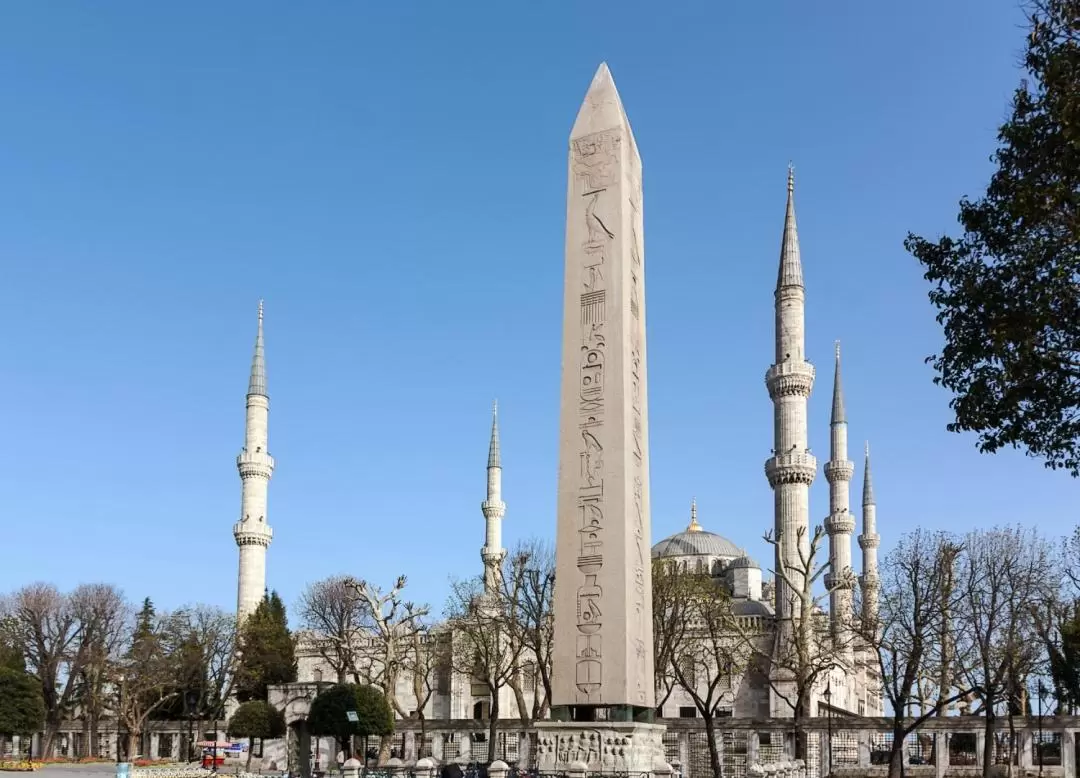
(351, 715)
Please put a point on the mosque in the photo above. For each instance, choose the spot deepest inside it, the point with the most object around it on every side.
(852, 687)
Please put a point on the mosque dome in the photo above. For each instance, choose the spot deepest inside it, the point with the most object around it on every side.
(695, 541)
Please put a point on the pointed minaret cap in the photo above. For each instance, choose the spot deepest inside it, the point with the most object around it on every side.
(257, 384)
(838, 415)
(694, 526)
(868, 483)
(494, 457)
(602, 108)
(790, 273)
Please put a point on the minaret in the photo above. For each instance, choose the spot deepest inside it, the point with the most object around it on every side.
(868, 542)
(840, 523)
(255, 464)
(494, 509)
(792, 467)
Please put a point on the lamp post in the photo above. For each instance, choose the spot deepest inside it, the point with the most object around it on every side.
(121, 765)
(828, 713)
(192, 699)
(213, 748)
(1040, 692)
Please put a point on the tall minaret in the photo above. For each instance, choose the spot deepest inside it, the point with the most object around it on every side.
(255, 464)
(840, 523)
(868, 542)
(494, 508)
(792, 467)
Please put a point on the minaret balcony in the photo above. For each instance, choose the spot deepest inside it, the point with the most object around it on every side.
(493, 509)
(840, 581)
(869, 581)
(250, 533)
(255, 464)
(839, 470)
(791, 468)
(869, 541)
(790, 378)
(840, 524)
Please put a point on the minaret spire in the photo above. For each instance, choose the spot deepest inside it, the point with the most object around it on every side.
(257, 384)
(868, 542)
(840, 523)
(790, 273)
(494, 509)
(792, 467)
(256, 466)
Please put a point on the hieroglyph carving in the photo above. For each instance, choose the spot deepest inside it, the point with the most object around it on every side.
(639, 630)
(595, 167)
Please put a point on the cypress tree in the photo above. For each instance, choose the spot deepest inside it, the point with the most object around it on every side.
(267, 650)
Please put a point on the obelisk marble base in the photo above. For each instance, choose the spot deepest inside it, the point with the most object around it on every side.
(601, 746)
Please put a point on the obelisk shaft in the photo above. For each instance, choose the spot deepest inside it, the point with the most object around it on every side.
(603, 599)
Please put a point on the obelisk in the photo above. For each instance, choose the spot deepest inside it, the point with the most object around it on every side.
(603, 694)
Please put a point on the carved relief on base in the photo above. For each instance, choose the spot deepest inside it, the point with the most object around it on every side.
(614, 748)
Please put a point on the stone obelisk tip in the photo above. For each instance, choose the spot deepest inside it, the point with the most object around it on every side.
(602, 108)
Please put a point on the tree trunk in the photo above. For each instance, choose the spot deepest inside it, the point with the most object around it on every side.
(493, 726)
(988, 739)
(423, 731)
(714, 753)
(896, 755)
(251, 750)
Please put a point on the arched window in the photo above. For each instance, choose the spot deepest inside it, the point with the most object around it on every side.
(700, 566)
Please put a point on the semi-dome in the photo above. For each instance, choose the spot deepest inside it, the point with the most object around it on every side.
(695, 541)
(744, 561)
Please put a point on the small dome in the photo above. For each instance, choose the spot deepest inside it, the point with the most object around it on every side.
(744, 561)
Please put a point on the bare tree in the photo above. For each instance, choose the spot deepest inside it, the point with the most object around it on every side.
(906, 636)
(670, 622)
(1003, 573)
(802, 650)
(53, 629)
(701, 647)
(204, 639)
(105, 615)
(331, 610)
(145, 676)
(485, 649)
(426, 662)
(526, 588)
(390, 622)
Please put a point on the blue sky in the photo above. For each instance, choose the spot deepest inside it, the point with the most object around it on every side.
(390, 177)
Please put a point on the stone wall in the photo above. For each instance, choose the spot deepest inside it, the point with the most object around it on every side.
(942, 748)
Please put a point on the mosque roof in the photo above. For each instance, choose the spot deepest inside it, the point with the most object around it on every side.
(695, 541)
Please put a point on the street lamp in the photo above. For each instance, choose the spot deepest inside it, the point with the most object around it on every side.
(828, 713)
(192, 700)
(121, 765)
(1041, 693)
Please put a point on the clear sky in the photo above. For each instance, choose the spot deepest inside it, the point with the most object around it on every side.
(391, 178)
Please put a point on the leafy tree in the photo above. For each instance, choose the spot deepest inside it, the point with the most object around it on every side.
(267, 650)
(1008, 290)
(22, 708)
(256, 719)
(328, 716)
(11, 656)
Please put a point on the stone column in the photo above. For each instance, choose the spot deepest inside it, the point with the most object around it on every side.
(865, 741)
(1068, 752)
(941, 754)
(351, 768)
